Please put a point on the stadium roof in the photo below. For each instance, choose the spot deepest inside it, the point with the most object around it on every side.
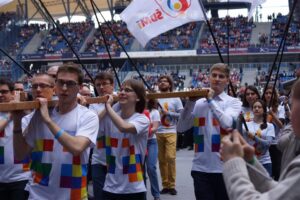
(57, 8)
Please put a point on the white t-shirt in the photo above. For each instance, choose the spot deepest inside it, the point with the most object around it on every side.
(11, 170)
(248, 114)
(254, 128)
(154, 117)
(168, 122)
(99, 156)
(56, 173)
(125, 153)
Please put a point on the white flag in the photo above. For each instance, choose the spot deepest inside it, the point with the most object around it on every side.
(146, 19)
(254, 4)
(3, 2)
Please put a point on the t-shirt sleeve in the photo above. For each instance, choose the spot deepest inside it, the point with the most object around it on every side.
(155, 116)
(28, 128)
(89, 126)
(141, 123)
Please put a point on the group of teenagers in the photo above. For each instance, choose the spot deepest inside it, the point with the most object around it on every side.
(46, 153)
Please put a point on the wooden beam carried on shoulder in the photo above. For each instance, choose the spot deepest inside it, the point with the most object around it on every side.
(29, 105)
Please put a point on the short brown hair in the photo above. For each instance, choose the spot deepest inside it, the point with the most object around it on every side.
(170, 80)
(71, 68)
(139, 89)
(221, 67)
(105, 76)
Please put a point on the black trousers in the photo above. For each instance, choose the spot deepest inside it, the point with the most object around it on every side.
(133, 196)
(13, 191)
(209, 186)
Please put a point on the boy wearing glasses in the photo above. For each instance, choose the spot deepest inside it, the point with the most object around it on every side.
(58, 141)
(210, 117)
(104, 84)
(14, 174)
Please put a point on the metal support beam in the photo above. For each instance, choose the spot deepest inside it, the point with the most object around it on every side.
(40, 10)
(84, 9)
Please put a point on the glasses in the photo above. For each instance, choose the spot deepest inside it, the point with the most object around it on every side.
(127, 90)
(4, 91)
(41, 85)
(68, 84)
(102, 84)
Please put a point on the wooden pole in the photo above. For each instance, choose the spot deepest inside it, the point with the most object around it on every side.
(29, 105)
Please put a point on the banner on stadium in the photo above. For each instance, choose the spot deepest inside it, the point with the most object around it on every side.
(147, 19)
(3, 2)
(254, 4)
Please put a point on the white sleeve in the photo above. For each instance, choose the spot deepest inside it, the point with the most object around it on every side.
(141, 124)
(231, 112)
(154, 116)
(89, 126)
(186, 118)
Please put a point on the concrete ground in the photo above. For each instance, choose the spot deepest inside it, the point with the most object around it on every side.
(184, 181)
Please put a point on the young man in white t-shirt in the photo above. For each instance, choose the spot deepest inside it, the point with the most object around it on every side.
(14, 174)
(210, 117)
(167, 135)
(58, 140)
(104, 84)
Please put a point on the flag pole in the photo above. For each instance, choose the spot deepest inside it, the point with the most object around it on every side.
(20, 66)
(106, 46)
(123, 48)
(279, 48)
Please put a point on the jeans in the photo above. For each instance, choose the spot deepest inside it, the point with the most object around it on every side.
(13, 191)
(98, 176)
(151, 166)
(209, 186)
(268, 167)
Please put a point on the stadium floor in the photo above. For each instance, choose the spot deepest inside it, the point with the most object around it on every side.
(184, 182)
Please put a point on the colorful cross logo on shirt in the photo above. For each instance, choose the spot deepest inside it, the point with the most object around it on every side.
(41, 171)
(132, 164)
(110, 159)
(74, 176)
(101, 142)
(25, 163)
(198, 135)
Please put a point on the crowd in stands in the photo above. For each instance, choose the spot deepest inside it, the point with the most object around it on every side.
(263, 39)
(4, 64)
(278, 27)
(239, 31)
(152, 80)
(96, 44)
(74, 32)
(284, 75)
(5, 18)
(180, 38)
(25, 35)
(200, 78)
